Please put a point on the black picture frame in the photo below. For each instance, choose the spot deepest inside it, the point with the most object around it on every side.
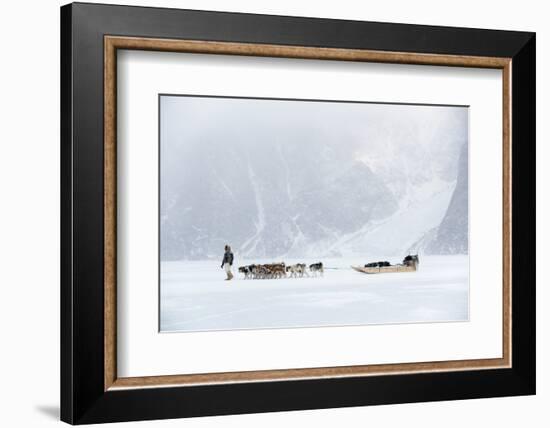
(83, 396)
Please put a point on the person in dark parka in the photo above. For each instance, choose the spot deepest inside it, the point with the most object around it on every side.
(227, 262)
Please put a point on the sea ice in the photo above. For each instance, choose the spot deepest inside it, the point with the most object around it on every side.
(195, 297)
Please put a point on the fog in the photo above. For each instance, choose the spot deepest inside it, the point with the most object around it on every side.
(302, 178)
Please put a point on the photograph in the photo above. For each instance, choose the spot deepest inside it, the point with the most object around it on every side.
(293, 213)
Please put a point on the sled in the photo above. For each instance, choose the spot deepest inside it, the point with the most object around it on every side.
(386, 269)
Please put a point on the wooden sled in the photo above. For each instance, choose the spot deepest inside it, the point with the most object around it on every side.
(386, 269)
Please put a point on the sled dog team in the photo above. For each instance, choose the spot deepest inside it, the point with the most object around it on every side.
(280, 270)
(299, 270)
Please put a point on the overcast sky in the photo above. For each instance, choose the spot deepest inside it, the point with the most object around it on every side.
(371, 132)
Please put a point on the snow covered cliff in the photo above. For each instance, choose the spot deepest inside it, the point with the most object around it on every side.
(281, 179)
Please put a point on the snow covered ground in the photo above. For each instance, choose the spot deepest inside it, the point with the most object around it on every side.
(194, 296)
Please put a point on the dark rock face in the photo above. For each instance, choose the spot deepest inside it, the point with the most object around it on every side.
(270, 206)
(452, 235)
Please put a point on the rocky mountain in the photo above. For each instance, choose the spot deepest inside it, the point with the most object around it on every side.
(451, 237)
(323, 181)
(264, 210)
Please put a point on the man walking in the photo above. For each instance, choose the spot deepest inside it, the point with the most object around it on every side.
(227, 262)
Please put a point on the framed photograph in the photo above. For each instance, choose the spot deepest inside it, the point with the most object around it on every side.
(266, 213)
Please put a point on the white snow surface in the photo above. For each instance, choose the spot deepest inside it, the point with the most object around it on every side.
(195, 297)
